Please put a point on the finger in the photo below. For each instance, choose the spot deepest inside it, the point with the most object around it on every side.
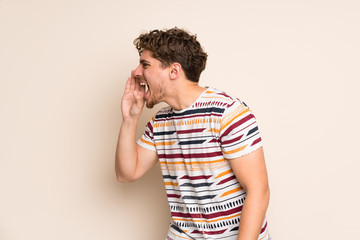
(132, 82)
(139, 96)
(142, 88)
(127, 85)
(137, 84)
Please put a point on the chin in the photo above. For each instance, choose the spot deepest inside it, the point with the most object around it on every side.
(150, 105)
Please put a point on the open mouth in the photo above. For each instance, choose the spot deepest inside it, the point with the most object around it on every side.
(145, 85)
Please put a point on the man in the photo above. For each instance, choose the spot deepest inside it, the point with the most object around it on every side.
(207, 142)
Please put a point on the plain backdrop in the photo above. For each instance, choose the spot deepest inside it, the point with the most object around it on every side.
(63, 66)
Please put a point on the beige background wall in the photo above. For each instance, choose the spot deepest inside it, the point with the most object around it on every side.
(63, 65)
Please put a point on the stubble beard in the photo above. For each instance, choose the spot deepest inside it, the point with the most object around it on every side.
(156, 98)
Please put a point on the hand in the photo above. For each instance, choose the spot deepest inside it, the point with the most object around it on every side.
(133, 99)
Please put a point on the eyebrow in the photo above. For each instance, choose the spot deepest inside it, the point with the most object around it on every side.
(142, 61)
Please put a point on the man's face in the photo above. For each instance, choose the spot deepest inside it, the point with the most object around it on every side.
(151, 74)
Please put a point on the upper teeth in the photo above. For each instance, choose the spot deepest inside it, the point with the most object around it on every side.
(145, 85)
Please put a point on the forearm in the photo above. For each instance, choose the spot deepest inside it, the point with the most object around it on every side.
(126, 152)
(253, 214)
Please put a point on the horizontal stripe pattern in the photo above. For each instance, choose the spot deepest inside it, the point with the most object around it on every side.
(193, 147)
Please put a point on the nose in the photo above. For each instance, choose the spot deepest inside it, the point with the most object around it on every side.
(138, 72)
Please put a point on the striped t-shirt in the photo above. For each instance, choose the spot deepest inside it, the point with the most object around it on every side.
(194, 146)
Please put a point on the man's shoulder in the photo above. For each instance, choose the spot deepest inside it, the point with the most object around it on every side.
(215, 97)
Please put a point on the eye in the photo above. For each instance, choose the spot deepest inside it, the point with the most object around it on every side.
(145, 65)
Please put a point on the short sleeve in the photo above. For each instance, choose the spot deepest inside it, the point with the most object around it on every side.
(239, 132)
(147, 139)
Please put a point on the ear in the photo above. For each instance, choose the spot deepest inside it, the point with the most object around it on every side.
(175, 70)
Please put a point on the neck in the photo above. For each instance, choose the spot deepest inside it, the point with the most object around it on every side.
(181, 94)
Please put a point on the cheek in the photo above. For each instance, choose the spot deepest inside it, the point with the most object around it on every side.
(150, 77)
(146, 74)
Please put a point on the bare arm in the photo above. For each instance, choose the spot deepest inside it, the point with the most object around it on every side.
(131, 160)
(250, 171)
